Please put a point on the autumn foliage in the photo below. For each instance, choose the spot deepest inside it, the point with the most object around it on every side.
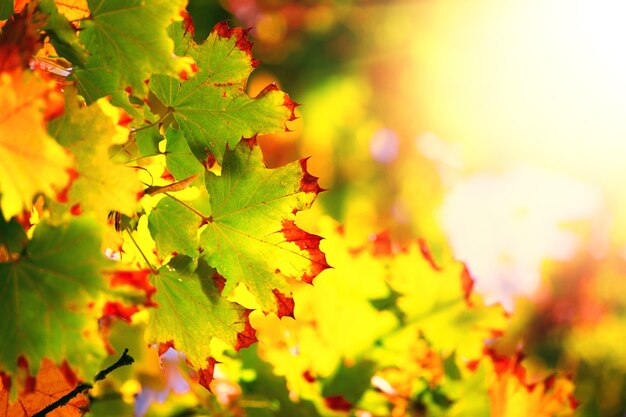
(137, 211)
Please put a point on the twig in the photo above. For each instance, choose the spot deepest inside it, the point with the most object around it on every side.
(145, 258)
(169, 111)
(64, 399)
(124, 360)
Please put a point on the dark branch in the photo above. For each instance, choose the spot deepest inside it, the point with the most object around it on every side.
(124, 360)
(64, 399)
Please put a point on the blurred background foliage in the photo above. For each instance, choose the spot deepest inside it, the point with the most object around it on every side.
(493, 131)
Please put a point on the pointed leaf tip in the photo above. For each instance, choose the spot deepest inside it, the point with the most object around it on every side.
(308, 183)
(246, 337)
(291, 105)
(311, 244)
(188, 21)
(286, 305)
(205, 375)
(242, 41)
(426, 253)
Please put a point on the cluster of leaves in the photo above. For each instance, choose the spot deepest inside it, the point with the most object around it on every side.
(161, 159)
(132, 189)
(397, 335)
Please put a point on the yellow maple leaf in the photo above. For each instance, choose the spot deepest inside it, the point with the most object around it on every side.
(31, 161)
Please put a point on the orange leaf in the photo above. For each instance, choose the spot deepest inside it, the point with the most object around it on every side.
(31, 161)
(51, 384)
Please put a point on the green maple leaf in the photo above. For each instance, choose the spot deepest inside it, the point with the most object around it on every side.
(102, 185)
(127, 41)
(174, 228)
(251, 236)
(212, 107)
(191, 312)
(46, 292)
(179, 159)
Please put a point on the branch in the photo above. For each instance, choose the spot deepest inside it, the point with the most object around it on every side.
(124, 360)
(64, 399)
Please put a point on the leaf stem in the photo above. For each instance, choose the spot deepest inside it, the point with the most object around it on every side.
(169, 111)
(124, 360)
(82, 19)
(63, 400)
(198, 213)
(153, 269)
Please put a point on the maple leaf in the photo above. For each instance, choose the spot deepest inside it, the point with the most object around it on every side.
(127, 41)
(101, 185)
(191, 312)
(179, 159)
(51, 384)
(174, 228)
(251, 236)
(47, 292)
(31, 161)
(438, 301)
(212, 107)
(512, 395)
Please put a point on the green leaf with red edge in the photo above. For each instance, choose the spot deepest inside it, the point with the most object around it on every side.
(127, 42)
(212, 107)
(48, 292)
(191, 312)
(251, 236)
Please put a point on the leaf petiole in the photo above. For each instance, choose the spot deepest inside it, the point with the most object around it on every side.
(140, 251)
(198, 213)
(169, 111)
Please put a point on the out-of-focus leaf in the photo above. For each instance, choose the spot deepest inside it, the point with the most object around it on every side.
(54, 282)
(31, 161)
(51, 383)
